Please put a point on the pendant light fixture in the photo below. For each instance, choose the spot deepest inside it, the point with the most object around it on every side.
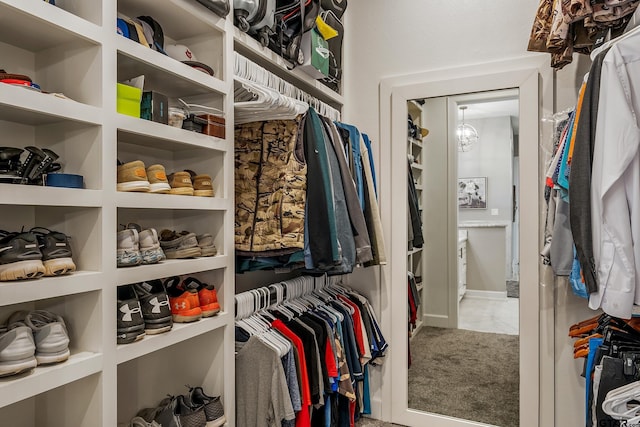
(466, 134)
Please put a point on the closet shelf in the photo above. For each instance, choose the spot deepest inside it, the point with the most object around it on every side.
(415, 109)
(179, 333)
(16, 194)
(25, 106)
(168, 268)
(151, 134)
(45, 378)
(135, 200)
(37, 25)
(415, 142)
(50, 287)
(420, 287)
(180, 19)
(171, 77)
(416, 166)
(250, 48)
(419, 187)
(414, 251)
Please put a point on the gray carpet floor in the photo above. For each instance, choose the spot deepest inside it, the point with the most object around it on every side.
(513, 289)
(465, 374)
(366, 422)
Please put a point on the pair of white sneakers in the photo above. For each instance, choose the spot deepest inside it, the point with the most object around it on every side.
(137, 246)
(32, 338)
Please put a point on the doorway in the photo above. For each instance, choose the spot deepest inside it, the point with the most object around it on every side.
(467, 81)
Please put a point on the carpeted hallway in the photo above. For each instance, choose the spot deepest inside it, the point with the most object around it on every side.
(465, 374)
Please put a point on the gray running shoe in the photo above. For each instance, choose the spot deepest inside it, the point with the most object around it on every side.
(49, 333)
(130, 327)
(206, 245)
(17, 349)
(177, 246)
(128, 253)
(156, 310)
(150, 250)
(56, 251)
(141, 422)
(20, 256)
(213, 409)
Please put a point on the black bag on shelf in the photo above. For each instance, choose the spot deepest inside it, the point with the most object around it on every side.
(336, 6)
(292, 19)
(219, 7)
(335, 50)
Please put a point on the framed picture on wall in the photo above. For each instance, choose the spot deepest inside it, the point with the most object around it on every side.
(472, 193)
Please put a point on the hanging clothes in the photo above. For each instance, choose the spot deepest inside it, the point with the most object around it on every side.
(334, 338)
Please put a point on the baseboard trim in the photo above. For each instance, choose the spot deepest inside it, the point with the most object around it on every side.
(435, 320)
(472, 293)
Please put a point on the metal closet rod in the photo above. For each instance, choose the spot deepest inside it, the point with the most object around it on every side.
(249, 70)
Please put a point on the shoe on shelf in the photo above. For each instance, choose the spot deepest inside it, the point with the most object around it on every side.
(158, 182)
(202, 184)
(56, 251)
(181, 184)
(173, 411)
(17, 349)
(141, 422)
(207, 296)
(20, 256)
(206, 245)
(150, 249)
(49, 333)
(132, 176)
(213, 409)
(130, 326)
(154, 303)
(185, 305)
(178, 246)
(128, 252)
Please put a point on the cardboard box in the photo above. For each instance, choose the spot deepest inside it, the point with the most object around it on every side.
(155, 107)
(128, 100)
(215, 125)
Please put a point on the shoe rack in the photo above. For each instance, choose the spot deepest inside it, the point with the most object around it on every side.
(73, 48)
(415, 255)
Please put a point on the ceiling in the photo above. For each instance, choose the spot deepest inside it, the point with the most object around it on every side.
(488, 109)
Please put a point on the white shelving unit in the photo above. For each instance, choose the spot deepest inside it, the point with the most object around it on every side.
(73, 49)
(415, 154)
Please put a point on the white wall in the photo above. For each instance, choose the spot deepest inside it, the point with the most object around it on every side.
(387, 38)
(490, 157)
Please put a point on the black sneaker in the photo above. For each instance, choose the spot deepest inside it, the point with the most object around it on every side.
(130, 321)
(213, 409)
(190, 416)
(20, 256)
(156, 310)
(56, 251)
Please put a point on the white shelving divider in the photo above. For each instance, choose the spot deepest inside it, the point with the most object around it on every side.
(72, 48)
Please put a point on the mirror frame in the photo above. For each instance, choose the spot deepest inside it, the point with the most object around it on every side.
(525, 75)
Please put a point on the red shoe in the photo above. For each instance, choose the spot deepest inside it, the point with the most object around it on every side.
(206, 294)
(185, 305)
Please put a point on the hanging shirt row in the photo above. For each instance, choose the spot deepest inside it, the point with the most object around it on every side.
(304, 360)
(305, 194)
(596, 174)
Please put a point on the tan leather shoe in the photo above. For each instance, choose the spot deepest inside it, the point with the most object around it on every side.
(158, 179)
(202, 186)
(132, 176)
(181, 184)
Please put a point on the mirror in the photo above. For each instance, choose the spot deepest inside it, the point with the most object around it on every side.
(463, 298)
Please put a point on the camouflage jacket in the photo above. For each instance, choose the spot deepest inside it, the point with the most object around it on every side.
(270, 187)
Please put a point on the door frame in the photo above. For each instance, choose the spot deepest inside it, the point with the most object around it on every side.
(528, 75)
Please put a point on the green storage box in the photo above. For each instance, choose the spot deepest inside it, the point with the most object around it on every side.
(129, 100)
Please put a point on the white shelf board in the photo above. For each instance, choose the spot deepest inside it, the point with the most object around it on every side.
(180, 332)
(169, 268)
(176, 79)
(414, 108)
(250, 48)
(37, 25)
(49, 287)
(415, 251)
(419, 187)
(420, 287)
(45, 378)
(35, 195)
(415, 142)
(138, 200)
(21, 105)
(417, 166)
(181, 20)
(419, 324)
(147, 133)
